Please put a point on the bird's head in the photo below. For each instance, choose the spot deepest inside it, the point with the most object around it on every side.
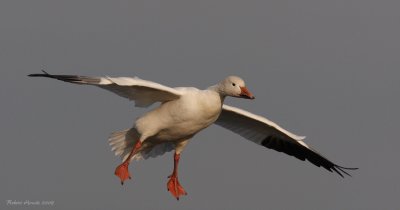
(234, 86)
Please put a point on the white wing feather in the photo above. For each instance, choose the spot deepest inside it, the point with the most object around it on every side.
(252, 126)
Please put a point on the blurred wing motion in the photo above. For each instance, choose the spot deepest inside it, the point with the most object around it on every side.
(268, 134)
(143, 92)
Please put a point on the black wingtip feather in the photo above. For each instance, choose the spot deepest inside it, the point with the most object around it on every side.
(45, 74)
(304, 153)
(39, 75)
(338, 172)
(343, 170)
(68, 78)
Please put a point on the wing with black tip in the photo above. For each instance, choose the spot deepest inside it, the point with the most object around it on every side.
(143, 92)
(268, 134)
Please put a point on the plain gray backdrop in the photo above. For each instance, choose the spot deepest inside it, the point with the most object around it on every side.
(328, 70)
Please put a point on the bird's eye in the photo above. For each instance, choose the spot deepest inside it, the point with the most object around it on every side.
(233, 84)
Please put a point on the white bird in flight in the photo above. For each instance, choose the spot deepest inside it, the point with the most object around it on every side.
(183, 112)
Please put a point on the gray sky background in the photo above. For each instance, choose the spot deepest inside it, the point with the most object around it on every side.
(325, 69)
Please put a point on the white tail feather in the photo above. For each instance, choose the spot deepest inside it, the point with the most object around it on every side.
(122, 142)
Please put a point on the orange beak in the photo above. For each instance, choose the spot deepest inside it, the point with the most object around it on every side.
(246, 93)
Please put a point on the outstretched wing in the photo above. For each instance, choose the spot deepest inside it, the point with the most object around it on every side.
(143, 92)
(268, 134)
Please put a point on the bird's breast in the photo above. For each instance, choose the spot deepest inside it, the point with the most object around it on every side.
(185, 117)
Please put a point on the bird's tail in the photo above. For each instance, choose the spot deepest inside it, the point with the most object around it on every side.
(122, 142)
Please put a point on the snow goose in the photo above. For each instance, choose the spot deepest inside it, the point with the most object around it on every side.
(183, 112)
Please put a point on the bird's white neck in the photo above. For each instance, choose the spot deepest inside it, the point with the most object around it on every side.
(217, 88)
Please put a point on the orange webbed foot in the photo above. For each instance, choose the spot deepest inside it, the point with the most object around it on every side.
(122, 172)
(175, 188)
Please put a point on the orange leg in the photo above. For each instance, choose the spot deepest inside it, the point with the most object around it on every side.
(173, 185)
(122, 170)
